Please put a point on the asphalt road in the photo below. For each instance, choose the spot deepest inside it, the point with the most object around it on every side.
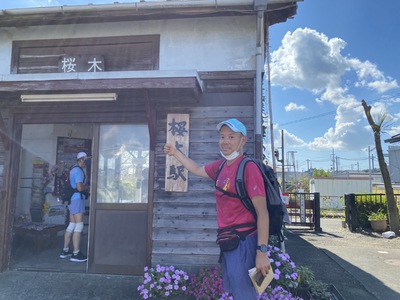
(361, 265)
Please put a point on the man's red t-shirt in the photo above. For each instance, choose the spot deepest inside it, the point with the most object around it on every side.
(230, 210)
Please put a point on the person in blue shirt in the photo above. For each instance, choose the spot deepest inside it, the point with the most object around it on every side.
(76, 209)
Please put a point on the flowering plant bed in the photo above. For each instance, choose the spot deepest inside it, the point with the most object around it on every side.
(163, 282)
(208, 285)
(285, 274)
(167, 282)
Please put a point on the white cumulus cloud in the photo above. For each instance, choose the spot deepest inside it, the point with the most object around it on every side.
(293, 106)
(309, 60)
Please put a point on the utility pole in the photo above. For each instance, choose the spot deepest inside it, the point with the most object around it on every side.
(337, 164)
(309, 164)
(291, 163)
(271, 123)
(373, 160)
(369, 167)
(282, 160)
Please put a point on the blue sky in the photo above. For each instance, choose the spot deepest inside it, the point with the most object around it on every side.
(324, 61)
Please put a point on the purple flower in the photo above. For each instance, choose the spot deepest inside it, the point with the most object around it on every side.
(162, 284)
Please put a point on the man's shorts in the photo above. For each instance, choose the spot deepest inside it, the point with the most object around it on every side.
(77, 205)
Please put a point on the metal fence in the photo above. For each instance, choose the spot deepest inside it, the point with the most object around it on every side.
(351, 201)
(304, 210)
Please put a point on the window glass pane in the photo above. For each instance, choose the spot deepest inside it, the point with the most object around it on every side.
(123, 164)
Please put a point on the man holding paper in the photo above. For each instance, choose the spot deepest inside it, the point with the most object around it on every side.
(242, 238)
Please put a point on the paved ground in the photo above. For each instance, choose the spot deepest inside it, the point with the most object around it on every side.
(360, 265)
(26, 285)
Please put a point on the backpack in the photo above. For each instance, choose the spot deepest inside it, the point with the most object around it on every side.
(275, 205)
(65, 190)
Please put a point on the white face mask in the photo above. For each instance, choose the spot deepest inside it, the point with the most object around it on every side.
(231, 156)
(235, 154)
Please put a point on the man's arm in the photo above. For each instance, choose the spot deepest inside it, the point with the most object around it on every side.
(81, 187)
(262, 260)
(188, 163)
(79, 177)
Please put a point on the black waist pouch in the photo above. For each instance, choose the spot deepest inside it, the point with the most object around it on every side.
(228, 239)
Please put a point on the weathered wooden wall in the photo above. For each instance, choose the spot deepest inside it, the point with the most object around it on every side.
(4, 205)
(184, 224)
(3, 114)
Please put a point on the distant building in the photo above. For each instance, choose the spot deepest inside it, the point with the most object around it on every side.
(394, 158)
(332, 189)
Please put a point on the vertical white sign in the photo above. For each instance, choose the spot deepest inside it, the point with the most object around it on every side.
(176, 176)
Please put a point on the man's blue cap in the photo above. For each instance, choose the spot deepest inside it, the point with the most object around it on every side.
(235, 125)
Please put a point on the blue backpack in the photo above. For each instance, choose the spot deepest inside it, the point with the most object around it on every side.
(275, 205)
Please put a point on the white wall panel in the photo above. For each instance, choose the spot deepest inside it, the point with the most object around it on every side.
(202, 44)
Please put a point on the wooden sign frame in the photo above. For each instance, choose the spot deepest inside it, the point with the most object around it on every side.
(176, 176)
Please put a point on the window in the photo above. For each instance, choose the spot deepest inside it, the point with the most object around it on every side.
(123, 164)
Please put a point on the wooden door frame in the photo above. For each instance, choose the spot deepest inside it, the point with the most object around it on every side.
(35, 114)
(94, 206)
(9, 192)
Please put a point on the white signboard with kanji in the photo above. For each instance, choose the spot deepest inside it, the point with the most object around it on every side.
(81, 63)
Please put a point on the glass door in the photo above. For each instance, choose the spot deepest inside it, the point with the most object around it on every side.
(118, 217)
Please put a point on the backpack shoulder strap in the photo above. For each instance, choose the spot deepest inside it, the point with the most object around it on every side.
(69, 174)
(76, 166)
(216, 179)
(219, 169)
(241, 186)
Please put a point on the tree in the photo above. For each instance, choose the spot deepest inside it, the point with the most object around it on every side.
(321, 173)
(304, 183)
(377, 128)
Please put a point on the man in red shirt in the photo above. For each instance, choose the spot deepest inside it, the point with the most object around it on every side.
(252, 249)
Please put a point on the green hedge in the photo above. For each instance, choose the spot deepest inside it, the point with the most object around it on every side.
(367, 204)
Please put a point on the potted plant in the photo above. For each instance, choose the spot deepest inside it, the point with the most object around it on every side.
(304, 280)
(320, 290)
(378, 220)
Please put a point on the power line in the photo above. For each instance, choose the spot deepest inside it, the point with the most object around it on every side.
(354, 159)
(309, 118)
(334, 111)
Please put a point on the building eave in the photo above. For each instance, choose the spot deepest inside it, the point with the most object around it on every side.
(278, 11)
(393, 139)
(12, 86)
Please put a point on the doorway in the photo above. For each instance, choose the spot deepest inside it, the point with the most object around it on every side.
(40, 217)
(115, 231)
